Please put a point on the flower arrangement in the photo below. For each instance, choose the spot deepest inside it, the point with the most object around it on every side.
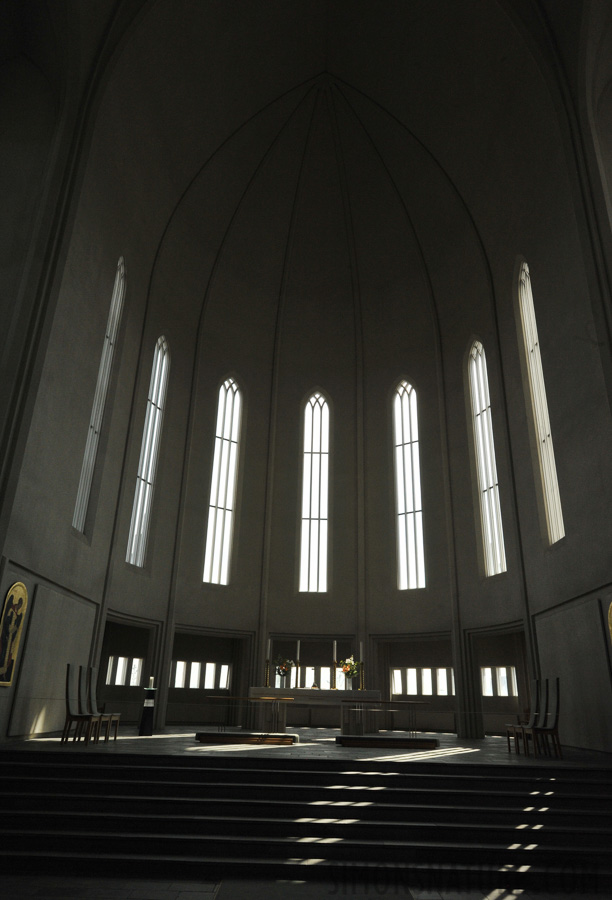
(350, 667)
(283, 666)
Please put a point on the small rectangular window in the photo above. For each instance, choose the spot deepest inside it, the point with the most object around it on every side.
(194, 675)
(209, 676)
(109, 670)
(502, 681)
(224, 678)
(487, 681)
(309, 676)
(121, 670)
(136, 672)
(397, 681)
(325, 678)
(442, 682)
(426, 682)
(179, 677)
(412, 687)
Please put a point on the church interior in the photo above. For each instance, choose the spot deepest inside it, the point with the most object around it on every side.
(306, 356)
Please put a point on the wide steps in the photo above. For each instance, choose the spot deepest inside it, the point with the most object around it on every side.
(409, 831)
(268, 818)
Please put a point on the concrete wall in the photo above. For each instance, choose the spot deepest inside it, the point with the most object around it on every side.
(337, 221)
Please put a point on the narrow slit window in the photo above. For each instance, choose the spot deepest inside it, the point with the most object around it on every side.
(315, 487)
(151, 436)
(223, 485)
(179, 678)
(488, 488)
(99, 401)
(410, 552)
(194, 675)
(209, 675)
(397, 682)
(539, 411)
(224, 677)
(121, 670)
(136, 672)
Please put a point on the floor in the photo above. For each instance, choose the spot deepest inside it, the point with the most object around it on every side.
(313, 742)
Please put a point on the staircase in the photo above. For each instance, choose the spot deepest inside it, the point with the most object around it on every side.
(421, 825)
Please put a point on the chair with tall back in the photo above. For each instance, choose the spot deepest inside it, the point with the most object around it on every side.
(74, 715)
(550, 728)
(532, 731)
(108, 719)
(515, 730)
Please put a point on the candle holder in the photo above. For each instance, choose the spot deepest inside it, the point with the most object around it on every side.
(267, 674)
(361, 676)
(333, 674)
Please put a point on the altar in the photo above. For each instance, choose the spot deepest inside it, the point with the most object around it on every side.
(357, 711)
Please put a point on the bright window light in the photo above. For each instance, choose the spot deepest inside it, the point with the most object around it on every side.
(315, 488)
(151, 436)
(223, 485)
(209, 676)
(487, 681)
(502, 682)
(224, 677)
(179, 677)
(121, 670)
(412, 683)
(135, 672)
(109, 669)
(441, 682)
(325, 678)
(194, 675)
(410, 552)
(99, 401)
(426, 682)
(397, 682)
(488, 488)
(539, 410)
(309, 676)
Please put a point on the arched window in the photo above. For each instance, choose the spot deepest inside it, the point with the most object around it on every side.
(223, 485)
(315, 489)
(539, 411)
(410, 553)
(151, 436)
(99, 402)
(488, 489)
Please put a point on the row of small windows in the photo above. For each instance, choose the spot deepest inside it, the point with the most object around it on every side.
(429, 681)
(314, 677)
(198, 675)
(314, 538)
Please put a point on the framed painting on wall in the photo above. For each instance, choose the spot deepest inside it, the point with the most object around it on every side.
(11, 625)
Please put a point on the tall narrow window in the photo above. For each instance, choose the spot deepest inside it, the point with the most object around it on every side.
(539, 411)
(410, 554)
(149, 451)
(99, 402)
(488, 488)
(315, 486)
(223, 485)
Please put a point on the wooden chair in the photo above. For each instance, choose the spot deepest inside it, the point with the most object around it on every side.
(531, 731)
(93, 724)
(74, 716)
(107, 719)
(516, 730)
(550, 729)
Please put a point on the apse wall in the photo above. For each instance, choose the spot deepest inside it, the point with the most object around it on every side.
(335, 214)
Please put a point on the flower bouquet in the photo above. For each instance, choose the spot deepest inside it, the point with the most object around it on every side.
(350, 667)
(283, 666)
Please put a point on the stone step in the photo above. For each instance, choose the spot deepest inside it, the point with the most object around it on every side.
(500, 833)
